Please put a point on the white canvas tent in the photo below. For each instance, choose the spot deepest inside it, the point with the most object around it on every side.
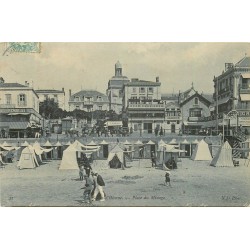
(224, 157)
(118, 152)
(69, 159)
(201, 152)
(28, 158)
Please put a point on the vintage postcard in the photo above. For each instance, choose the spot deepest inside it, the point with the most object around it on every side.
(124, 124)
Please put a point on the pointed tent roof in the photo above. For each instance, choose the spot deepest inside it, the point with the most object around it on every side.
(92, 143)
(185, 142)
(201, 152)
(195, 141)
(224, 157)
(173, 141)
(58, 144)
(127, 143)
(103, 143)
(25, 144)
(47, 144)
(5, 144)
(150, 143)
(161, 142)
(139, 143)
(116, 149)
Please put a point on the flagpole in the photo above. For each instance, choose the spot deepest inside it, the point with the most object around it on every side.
(223, 129)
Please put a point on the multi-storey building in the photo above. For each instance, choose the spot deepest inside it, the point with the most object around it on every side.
(143, 105)
(19, 109)
(57, 95)
(232, 92)
(88, 100)
(115, 88)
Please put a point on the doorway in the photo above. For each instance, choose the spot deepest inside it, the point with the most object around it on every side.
(105, 151)
(173, 128)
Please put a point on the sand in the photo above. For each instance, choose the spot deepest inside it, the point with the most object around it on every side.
(194, 183)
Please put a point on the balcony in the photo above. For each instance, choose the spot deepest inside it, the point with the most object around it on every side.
(7, 106)
(172, 117)
(244, 91)
(147, 106)
(88, 103)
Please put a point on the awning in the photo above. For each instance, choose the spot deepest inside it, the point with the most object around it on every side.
(245, 75)
(19, 114)
(14, 125)
(223, 100)
(245, 97)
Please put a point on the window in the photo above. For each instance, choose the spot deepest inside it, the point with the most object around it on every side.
(99, 107)
(196, 100)
(195, 113)
(150, 90)
(56, 98)
(142, 90)
(22, 100)
(134, 90)
(77, 107)
(8, 98)
(76, 98)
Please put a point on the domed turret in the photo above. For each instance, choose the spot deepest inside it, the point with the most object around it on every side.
(118, 69)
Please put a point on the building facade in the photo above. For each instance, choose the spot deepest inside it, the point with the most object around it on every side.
(232, 92)
(143, 106)
(19, 109)
(115, 89)
(57, 95)
(88, 100)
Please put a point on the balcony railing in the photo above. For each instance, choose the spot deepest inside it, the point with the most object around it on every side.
(244, 91)
(195, 119)
(146, 106)
(7, 106)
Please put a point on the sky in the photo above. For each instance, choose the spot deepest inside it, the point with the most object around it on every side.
(79, 66)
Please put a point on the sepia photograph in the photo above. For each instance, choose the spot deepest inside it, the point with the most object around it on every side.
(125, 124)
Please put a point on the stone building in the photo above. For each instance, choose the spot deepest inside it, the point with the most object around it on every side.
(88, 100)
(143, 105)
(57, 95)
(115, 88)
(19, 109)
(232, 92)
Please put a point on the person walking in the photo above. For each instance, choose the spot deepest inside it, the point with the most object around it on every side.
(87, 189)
(99, 184)
(167, 179)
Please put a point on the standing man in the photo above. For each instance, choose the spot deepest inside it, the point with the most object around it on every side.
(87, 189)
(99, 182)
(153, 159)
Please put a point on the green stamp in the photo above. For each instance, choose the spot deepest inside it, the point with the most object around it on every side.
(23, 47)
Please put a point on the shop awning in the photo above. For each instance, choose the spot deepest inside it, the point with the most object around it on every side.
(15, 125)
(247, 75)
(245, 97)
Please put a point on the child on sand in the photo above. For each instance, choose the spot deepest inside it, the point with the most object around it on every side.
(167, 179)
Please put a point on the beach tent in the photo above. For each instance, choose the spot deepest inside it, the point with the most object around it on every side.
(58, 150)
(28, 158)
(186, 146)
(49, 154)
(104, 149)
(95, 154)
(69, 159)
(40, 151)
(193, 146)
(115, 158)
(66, 145)
(149, 149)
(138, 149)
(1, 160)
(202, 152)
(173, 142)
(25, 144)
(224, 157)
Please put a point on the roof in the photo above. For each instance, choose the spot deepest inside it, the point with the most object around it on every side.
(244, 62)
(142, 83)
(166, 96)
(12, 85)
(201, 98)
(48, 91)
(88, 93)
(118, 65)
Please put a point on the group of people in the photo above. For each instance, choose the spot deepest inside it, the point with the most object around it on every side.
(94, 183)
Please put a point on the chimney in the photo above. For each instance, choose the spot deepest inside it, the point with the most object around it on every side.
(69, 92)
(63, 89)
(157, 79)
(27, 84)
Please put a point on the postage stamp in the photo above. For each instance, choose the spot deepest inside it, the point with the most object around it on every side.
(23, 47)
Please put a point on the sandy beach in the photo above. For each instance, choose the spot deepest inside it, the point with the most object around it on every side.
(194, 183)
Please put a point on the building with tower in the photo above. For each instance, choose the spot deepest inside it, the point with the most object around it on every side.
(115, 88)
